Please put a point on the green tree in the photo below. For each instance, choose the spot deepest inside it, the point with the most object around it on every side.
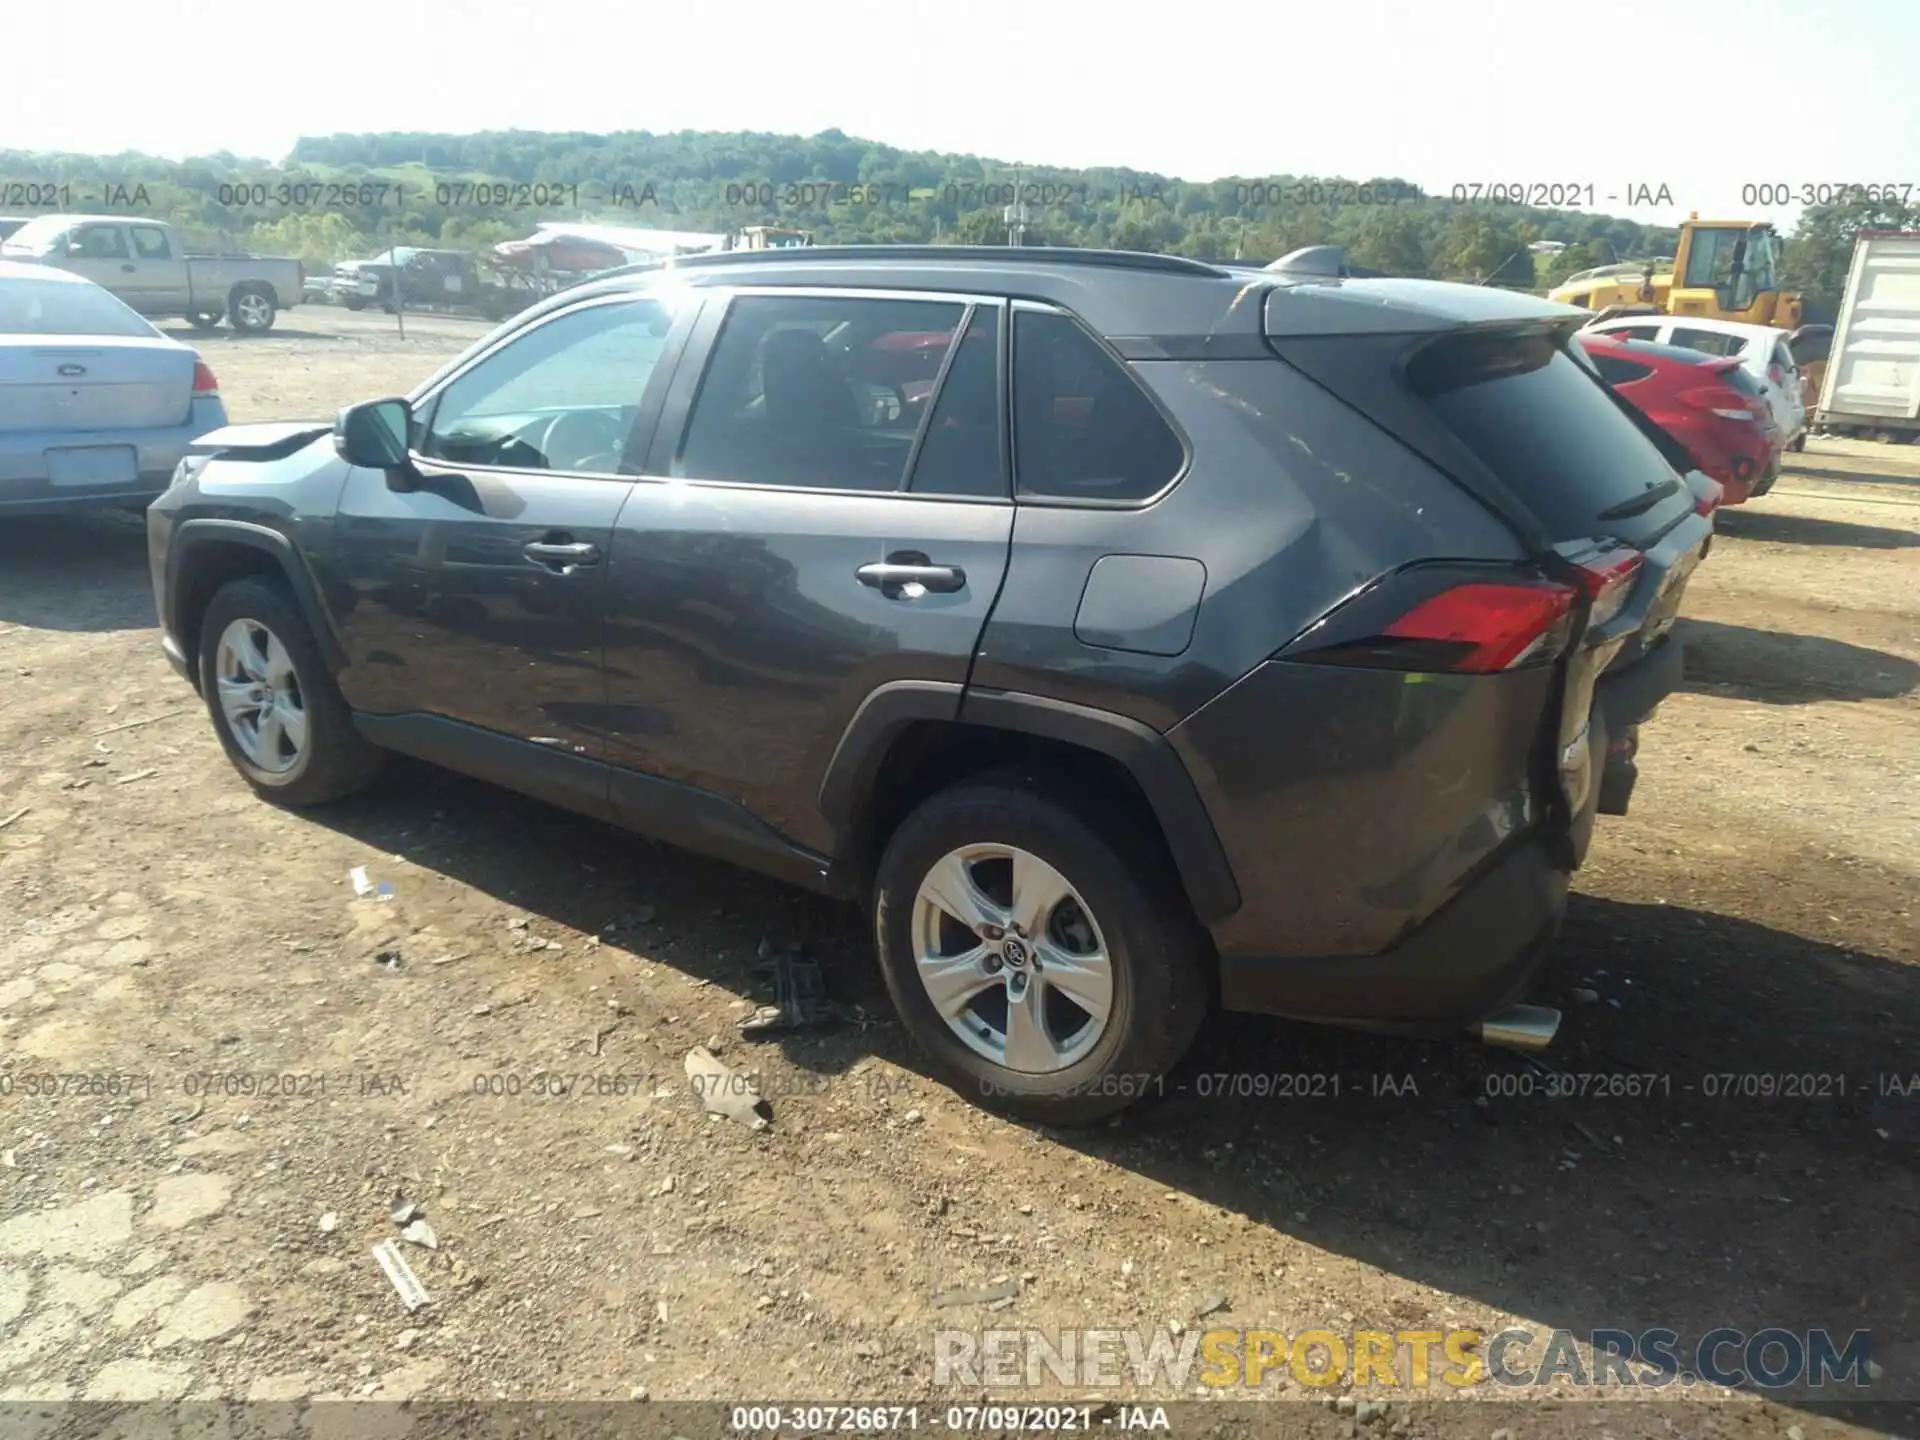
(1393, 241)
(1820, 251)
(1570, 262)
(1483, 250)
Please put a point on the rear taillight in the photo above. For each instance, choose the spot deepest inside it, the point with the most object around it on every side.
(1776, 374)
(1485, 626)
(203, 381)
(1717, 400)
(1609, 583)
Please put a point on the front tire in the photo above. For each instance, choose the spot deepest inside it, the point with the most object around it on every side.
(1050, 970)
(279, 716)
(205, 320)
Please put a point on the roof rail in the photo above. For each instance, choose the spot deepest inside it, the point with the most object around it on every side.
(968, 254)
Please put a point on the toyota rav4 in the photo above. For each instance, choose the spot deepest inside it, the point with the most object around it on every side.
(1167, 635)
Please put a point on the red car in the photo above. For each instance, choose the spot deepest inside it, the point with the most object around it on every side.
(1706, 402)
(570, 254)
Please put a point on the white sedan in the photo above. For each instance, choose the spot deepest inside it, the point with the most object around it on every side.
(97, 407)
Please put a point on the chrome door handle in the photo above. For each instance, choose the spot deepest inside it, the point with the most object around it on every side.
(891, 575)
(561, 555)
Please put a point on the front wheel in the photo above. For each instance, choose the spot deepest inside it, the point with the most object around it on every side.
(279, 716)
(205, 319)
(1051, 970)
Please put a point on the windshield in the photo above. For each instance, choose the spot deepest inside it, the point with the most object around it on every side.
(61, 307)
(1736, 261)
(36, 237)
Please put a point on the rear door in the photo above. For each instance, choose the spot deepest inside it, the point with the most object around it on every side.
(825, 510)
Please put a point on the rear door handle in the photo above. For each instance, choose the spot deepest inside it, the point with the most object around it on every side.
(891, 575)
(561, 555)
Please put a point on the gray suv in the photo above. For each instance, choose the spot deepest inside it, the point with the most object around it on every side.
(1130, 635)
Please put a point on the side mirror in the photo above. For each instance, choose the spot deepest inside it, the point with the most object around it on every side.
(373, 434)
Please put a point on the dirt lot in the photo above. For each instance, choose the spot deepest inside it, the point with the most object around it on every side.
(1753, 918)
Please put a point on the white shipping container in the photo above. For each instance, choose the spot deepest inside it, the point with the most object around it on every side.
(1873, 370)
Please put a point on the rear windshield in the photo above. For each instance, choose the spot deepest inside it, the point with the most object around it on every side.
(61, 307)
(1544, 425)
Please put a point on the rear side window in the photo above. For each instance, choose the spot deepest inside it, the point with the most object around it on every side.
(963, 451)
(1082, 428)
(150, 242)
(1620, 372)
(1708, 342)
(1632, 332)
(1541, 423)
(821, 392)
(59, 307)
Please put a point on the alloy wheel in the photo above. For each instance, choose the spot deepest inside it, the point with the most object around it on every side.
(1012, 958)
(260, 695)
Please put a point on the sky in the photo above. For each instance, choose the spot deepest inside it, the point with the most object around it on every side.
(1702, 97)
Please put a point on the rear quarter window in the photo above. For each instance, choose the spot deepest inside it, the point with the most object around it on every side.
(1546, 427)
(1082, 427)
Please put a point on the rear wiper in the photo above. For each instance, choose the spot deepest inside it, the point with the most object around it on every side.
(1640, 503)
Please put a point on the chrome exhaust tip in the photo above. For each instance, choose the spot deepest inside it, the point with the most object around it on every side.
(1529, 1028)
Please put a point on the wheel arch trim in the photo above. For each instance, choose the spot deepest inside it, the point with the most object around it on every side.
(1143, 752)
(195, 536)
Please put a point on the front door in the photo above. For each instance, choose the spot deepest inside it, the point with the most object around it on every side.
(477, 591)
(825, 509)
(104, 257)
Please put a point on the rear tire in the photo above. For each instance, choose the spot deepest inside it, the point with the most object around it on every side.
(302, 749)
(1119, 902)
(251, 309)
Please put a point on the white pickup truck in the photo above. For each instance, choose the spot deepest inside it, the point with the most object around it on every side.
(144, 263)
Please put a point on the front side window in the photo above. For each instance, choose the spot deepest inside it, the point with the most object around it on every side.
(101, 242)
(1082, 427)
(562, 395)
(822, 392)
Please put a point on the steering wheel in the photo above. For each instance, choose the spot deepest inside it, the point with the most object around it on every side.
(583, 440)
